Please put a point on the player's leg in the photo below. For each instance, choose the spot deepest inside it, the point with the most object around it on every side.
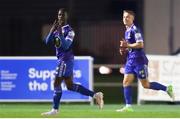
(77, 88)
(127, 81)
(56, 97)
(142, 74)
(68, 74)
(57, 89)
(157, 86)
(57, 92)
(84, 91)
(152, 85)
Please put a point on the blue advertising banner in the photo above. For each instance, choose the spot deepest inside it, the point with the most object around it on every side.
(30, 79)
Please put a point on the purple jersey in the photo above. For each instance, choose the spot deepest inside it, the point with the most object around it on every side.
(62, 39)
(61, 53)
(135, 56)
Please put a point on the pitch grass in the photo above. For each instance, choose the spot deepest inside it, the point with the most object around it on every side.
(27, 110)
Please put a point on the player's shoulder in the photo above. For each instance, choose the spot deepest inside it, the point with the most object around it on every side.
(67, 27)
(135, 29)
(70, 32)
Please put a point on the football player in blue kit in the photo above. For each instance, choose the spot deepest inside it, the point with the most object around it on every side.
(62, 35)
(136, 63)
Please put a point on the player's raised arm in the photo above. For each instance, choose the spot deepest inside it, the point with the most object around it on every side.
(50, 37)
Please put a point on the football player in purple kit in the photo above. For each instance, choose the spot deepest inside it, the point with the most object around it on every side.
(62, 36)
(136, 63)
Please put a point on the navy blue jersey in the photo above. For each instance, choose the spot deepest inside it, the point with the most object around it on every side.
(136, 59)
(62, 39)
(137, 55)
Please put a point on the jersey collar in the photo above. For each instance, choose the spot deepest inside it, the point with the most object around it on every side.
(128, 28)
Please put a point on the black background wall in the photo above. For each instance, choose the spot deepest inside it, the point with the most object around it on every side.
(21, 22)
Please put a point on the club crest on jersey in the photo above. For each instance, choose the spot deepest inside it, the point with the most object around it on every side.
(57, 42)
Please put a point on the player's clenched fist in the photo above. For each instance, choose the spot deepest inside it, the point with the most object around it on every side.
(123, 47)
(54, 26)
(122, 50)
(123, 44)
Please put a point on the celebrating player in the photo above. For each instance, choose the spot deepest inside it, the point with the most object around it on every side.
(62, 36)
(136, 63)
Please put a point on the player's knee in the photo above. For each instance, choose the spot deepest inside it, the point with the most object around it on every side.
(69, 86)
(126, 83)
(56, 83)
(146, 85)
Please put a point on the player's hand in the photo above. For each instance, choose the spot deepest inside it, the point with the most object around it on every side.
(59, 26)
(59, 29)
(122, 70)
(123, 44)
(123, 47)
(122, 50)
(54, 26)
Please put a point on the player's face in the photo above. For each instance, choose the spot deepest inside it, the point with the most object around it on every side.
(128, 19)
(61, 17)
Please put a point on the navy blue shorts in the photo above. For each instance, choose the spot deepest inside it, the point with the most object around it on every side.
(141, 70)
(65, 68)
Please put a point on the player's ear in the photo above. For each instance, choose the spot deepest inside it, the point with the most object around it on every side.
(133, 17)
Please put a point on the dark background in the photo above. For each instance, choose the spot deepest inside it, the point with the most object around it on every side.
(21, 23)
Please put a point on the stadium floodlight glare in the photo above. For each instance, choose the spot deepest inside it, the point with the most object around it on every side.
(104, 70)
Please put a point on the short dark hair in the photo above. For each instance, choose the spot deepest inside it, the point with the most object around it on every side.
(63, 10)
(130, 12)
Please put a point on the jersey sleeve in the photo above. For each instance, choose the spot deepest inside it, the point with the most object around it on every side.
(49, 38)
(137, 35)
(67, 41)
(70, 36)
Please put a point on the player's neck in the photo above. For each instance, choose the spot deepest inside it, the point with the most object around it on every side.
(128, 26)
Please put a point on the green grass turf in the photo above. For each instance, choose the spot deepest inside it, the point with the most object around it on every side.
(28, 110)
